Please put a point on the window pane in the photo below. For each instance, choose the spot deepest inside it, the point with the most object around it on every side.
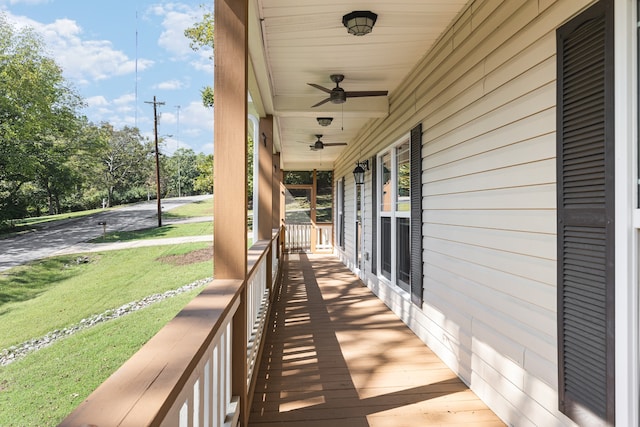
(385, 246)
(324, 195)
(403, 164)
(403, 254)
(385, 187)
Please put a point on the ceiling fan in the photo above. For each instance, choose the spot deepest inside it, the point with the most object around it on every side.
(337, 95)
(319, 145)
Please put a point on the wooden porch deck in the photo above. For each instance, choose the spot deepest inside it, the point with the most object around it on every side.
(335, 355)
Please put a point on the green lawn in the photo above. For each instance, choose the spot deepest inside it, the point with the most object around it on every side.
(166, 231)
(58, 292)
(44, 387)
(54, 293)
(190, 210)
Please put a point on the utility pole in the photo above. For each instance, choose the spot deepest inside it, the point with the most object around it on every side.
(178, 145)
(155, 132)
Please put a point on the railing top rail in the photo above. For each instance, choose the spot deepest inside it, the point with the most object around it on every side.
(259, 250)
(142, 391)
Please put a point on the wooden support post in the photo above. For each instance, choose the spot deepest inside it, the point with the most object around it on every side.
(265, 178)
(230, 173)
(276, 182)
(269, 256)
(314, 227)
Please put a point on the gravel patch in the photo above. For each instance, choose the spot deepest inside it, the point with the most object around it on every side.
(16, 352)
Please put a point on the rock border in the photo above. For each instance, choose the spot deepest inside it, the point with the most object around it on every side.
(17, 352)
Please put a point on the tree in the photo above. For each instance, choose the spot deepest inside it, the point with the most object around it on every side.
(38, 117)
(201, 36)
(182, 172)
(126, 163)
(203, 184)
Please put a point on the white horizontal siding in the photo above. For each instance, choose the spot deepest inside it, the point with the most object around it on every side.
(485, 95)
(533, 220)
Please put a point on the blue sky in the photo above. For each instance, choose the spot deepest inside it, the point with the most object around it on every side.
(95, 43)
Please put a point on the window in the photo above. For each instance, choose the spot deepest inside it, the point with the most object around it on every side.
(340, 217)
(395, 202)
(398, 209)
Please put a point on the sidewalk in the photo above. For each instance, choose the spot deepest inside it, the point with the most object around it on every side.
(115, 246)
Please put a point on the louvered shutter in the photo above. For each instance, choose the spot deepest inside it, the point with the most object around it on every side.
(416, 215)
(374, 215)
(586, 217)
(341, 214)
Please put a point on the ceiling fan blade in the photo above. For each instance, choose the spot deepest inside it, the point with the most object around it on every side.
(334, 144)
(321, 102)
(361, 93)
(324, 89)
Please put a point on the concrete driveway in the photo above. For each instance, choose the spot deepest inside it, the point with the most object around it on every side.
(59, 236)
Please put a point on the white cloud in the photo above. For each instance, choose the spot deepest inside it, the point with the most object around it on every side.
(128, 98)
(203, 63)
(197, 115)
(82, 60)
(96, 101)
(176, 19)
(171, 85)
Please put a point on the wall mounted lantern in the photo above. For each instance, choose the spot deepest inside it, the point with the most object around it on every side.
(358, 172)
(359, 22)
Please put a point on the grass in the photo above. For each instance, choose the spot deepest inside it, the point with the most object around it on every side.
(57, 292)
(166, 231)
(44, 387)
(54, 293)
(190, 210)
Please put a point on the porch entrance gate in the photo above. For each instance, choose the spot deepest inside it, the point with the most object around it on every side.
(309, 226)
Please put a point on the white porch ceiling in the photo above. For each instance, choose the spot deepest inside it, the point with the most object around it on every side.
(295, 42)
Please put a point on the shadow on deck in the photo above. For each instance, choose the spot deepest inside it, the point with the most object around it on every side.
(335, 355)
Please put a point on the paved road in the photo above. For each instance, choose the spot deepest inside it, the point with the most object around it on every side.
(60, 235)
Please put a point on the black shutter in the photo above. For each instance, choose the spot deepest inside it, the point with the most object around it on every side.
(374, 216)
(341, 215)
(585, 143)
(416, 215)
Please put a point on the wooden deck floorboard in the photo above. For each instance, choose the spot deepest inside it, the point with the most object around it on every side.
(336, 356)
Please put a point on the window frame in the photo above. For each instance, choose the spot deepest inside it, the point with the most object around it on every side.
(391, 277)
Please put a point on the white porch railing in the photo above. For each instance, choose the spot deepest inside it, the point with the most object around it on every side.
(184, 376)
(324, 240)
(298, 237)
(306, 236)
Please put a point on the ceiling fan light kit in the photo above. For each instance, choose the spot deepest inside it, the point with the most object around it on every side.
(359, 22)
(324, 121)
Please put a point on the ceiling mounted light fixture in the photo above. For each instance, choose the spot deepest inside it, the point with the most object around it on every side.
(359, 22)
(324, 121)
